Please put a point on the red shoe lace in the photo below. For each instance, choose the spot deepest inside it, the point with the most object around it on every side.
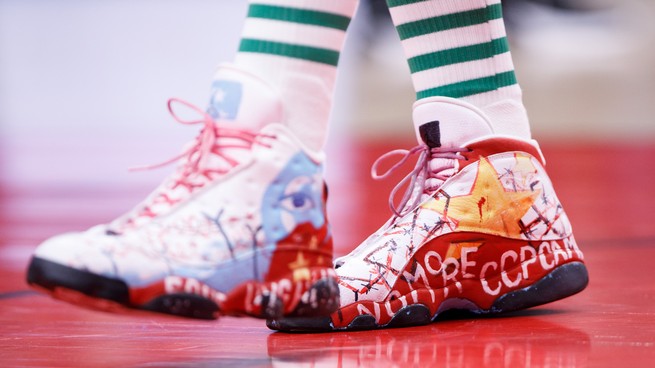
(206, 143)
(213, 141)
(419, 176)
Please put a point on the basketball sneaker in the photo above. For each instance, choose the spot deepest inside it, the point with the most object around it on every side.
(238, 229)
(479, 229)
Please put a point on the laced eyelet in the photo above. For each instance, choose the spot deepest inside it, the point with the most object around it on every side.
(421, 170)
(214, 140)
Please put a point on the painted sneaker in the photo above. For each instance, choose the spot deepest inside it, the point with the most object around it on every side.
(480, 229)
(238, 229)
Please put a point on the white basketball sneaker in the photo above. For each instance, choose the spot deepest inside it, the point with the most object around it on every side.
(239, 228)
(480, 228)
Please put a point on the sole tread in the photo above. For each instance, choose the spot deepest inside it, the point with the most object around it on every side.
(560, 283)
(103, 293)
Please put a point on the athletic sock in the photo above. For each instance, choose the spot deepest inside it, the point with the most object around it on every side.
(459, 49)
(294, 45)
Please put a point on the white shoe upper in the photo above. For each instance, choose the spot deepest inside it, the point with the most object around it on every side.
(492, 195)
(222, 230)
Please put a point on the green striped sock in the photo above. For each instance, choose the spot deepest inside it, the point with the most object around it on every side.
(454, 48)
(294, 45)
(293, 32)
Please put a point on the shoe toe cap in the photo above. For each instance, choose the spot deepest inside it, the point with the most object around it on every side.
(78, 251)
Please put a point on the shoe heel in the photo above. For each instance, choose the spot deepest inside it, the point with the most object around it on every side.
(321, 299)
(316, 295)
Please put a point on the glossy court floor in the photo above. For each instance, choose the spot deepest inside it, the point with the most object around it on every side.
(608, 191)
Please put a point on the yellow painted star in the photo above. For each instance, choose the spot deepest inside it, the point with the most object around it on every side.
(455, 249)
(313, 242)
(489, 207)
(299, 268)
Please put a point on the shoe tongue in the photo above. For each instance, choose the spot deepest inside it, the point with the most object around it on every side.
(244, 98)
(237, 97)
(447, 122)
(241, 98)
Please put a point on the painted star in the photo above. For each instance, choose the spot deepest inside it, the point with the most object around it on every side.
(489, 207)
(313, 242)
(299, 268)
(455, 249)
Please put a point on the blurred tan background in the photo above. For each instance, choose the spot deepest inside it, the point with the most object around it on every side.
(586, 72)
(94, 77)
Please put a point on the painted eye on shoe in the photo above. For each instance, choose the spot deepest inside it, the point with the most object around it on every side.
(298, 201)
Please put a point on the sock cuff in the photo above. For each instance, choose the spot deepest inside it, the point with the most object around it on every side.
(344, 8)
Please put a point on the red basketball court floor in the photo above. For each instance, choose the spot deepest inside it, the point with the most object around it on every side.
(608, 191)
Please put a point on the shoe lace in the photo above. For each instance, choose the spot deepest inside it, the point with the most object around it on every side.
(433, 167)
(206, 143)
(214, 140)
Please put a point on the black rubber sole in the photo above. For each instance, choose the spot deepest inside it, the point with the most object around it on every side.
(560, 283)
(322, 298)
(54, 276)
(51, 275)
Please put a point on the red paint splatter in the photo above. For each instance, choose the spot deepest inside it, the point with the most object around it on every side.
(481, 203)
